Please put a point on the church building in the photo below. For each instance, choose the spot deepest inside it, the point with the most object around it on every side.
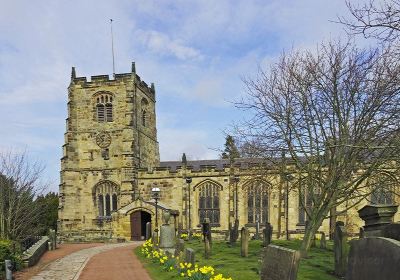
(111, 164)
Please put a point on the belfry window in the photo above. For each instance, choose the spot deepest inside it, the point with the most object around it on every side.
(144, 108)
(257, 202)
(209, 203)
(104, 108)
(106, 197)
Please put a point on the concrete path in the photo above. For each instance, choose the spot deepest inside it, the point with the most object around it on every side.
(70, 266)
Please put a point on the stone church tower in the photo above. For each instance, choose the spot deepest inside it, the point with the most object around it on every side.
(110, 133)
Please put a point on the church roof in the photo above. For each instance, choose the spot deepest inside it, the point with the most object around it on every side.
(218, 164)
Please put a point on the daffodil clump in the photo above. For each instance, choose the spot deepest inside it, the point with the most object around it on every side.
(194, 235)
(183, 269)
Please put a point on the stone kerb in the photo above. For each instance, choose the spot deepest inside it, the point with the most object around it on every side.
(374, 258)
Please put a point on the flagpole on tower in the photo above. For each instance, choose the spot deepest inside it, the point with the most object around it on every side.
(112, 47)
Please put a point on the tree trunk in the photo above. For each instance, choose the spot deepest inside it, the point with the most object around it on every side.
(332, 223)
(310, 231)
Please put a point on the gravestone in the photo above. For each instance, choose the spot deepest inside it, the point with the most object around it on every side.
(148, 230)
(180, 247)
(340, 248)
(267, 232)
(207, 249)
(376, 218)
(257, 234)
(234, 233)
(279, 263)
(374, 258)
(244, 242)
(206, 228)
(189, 256)
(167, 235)
(322, 242)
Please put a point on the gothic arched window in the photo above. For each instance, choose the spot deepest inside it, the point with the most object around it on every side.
(104, 107)
(106, 195)
(382, 187)
(144, 107)
(257, 201)
(209, 202)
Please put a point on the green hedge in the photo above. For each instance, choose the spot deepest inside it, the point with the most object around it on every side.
(6, 253)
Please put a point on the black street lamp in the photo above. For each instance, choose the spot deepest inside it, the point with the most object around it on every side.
(188, 181)
(156, 196)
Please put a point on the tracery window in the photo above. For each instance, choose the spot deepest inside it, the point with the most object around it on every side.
(382, 187)
(209, 202)
(257, 201)
(144, 108)
(104, 107)
(106, 197)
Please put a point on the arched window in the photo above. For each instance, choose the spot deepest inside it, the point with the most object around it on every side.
(144, 117)
(144, 107)
(106, 196)
(209, 203)
(104, 107)
(257, 201)
(382, 187)
(308, 190)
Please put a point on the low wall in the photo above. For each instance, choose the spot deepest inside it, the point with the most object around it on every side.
(32, 255)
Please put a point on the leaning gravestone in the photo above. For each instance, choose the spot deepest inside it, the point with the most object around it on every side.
(267, 232)
(189, 256)
(374, 258)
(340, 248)
(279, 263)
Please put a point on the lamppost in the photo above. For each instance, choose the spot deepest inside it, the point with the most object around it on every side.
(188, 181)
(156, 196)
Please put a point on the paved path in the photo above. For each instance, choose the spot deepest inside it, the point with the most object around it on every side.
(119, 263)
(50, 256)
(70, 266)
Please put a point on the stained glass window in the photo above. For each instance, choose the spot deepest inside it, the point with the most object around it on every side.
(209, 202)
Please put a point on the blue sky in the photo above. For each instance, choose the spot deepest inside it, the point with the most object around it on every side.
(196, 53)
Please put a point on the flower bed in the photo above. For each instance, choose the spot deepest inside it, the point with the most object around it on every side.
(182, 269)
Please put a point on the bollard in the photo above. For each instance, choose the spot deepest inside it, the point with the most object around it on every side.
(8, 265)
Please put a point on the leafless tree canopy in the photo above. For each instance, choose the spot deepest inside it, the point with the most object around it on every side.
(19, 185)
(335, 112)
(376, 19)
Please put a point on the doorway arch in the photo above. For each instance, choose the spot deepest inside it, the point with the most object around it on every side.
(139, 219)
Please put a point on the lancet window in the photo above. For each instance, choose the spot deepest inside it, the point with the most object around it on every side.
(209, 202)
(104, 107)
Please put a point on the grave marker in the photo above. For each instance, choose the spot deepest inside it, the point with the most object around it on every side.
(279, 263)
(340, 248)
(244, 242)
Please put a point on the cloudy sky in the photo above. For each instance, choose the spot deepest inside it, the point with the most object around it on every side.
(196, 53)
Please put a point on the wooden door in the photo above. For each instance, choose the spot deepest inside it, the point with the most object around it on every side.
(136, 225)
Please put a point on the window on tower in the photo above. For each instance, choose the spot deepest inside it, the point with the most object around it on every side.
(104, 107)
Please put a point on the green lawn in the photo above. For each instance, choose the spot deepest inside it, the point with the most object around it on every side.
(227, 260)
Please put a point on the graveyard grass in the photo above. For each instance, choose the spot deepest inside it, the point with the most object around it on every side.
(227, 260)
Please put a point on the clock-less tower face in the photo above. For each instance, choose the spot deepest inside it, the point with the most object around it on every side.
(103, 139)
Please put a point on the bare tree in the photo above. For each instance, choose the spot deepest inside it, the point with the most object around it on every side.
(374, 19)
(19, 186)
(335, 113)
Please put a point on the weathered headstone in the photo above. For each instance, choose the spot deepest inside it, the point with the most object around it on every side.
(189, 256)
(234, 233)
(167, 235)
(148, 230)
(340, 248)
(279, 263)
(244, 242)
(207, 249)
(267, 232)
(8, 268)
(322, 242)
(180, 246)
(374, 258)
(206, 227)
(376, 218)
